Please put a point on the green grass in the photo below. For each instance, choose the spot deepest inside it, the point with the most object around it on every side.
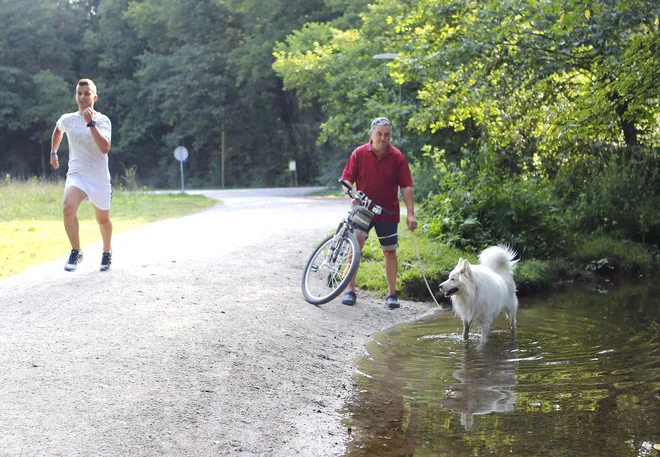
(419, 258)
(633, 258)
(532, 275)
(32, 231)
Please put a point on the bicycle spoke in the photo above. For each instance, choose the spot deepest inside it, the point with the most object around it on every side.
(329, 271)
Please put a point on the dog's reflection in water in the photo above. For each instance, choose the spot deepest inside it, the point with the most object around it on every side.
(485, 382)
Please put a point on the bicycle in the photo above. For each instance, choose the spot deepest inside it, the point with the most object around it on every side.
(335, 261)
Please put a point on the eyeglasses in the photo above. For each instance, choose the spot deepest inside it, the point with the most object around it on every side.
(380, 121)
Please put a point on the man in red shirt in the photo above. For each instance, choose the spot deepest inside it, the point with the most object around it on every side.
(379, 169)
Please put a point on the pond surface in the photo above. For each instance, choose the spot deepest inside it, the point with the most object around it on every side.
(581, 378)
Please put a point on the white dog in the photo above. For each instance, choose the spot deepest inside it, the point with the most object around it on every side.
(479, 293)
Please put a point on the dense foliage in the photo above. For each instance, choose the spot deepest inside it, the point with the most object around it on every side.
(537, 119)
(169, 73)
(525, 121)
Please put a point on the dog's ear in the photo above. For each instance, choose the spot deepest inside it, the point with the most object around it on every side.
(461, 265)
(467, 271)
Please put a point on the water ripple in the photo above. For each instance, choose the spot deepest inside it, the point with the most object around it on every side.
(581, 377)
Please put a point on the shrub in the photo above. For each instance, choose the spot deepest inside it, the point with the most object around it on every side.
(614, 191)
(602, 254)
(475, 210)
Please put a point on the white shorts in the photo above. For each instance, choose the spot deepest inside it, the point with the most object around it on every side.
(99, 191)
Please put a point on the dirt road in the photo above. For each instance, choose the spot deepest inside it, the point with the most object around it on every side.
(197, 343)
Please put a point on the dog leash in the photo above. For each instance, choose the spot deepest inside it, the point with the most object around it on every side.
(419, 265)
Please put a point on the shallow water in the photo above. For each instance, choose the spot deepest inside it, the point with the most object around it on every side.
(581, 378)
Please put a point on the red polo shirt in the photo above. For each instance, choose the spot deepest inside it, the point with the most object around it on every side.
(379, 177)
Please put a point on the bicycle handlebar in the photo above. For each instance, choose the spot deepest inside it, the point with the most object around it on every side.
(347, 185)
(363, 199)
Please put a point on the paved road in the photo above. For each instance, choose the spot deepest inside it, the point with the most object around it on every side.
(196, 343)
(232, 194)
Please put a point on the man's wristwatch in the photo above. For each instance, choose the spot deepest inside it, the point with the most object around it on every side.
(92, 123)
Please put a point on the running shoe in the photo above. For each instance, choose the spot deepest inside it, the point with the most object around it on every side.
(74, 259)
(106, 261)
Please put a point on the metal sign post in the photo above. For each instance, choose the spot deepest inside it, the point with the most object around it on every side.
(294, 175)
(181, 154)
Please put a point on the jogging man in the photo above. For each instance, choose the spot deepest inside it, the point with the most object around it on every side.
(88, 177)
(379, 169)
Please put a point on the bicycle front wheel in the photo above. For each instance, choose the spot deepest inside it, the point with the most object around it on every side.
(329, 271)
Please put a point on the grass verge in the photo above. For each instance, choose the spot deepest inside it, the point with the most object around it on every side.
(592, 257)
(31, 228)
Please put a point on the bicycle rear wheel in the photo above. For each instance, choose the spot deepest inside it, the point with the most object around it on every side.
(328, 272)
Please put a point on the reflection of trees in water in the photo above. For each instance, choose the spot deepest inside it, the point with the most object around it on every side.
(486, 378)
(387, 423)
(582, 380)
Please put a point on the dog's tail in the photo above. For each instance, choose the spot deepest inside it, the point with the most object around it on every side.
(501, 258)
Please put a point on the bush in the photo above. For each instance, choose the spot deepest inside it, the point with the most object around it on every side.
(604, 255)
(477, 210)
(614, 191)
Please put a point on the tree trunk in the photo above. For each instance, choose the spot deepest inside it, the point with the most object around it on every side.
(628, 127)
(44, 165)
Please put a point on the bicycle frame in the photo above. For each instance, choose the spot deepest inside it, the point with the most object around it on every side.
(347, 224)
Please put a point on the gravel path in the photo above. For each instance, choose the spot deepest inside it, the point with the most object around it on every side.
(197, 343)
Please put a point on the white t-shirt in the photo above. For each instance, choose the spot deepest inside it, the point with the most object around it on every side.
(85, 157)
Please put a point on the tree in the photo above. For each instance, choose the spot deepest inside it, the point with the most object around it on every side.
(40, 50)
(333, 66)
(42, 35)
(50, 95)
(535, 77)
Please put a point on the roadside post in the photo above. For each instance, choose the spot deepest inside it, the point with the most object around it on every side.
(181, 154)
(294, 175)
